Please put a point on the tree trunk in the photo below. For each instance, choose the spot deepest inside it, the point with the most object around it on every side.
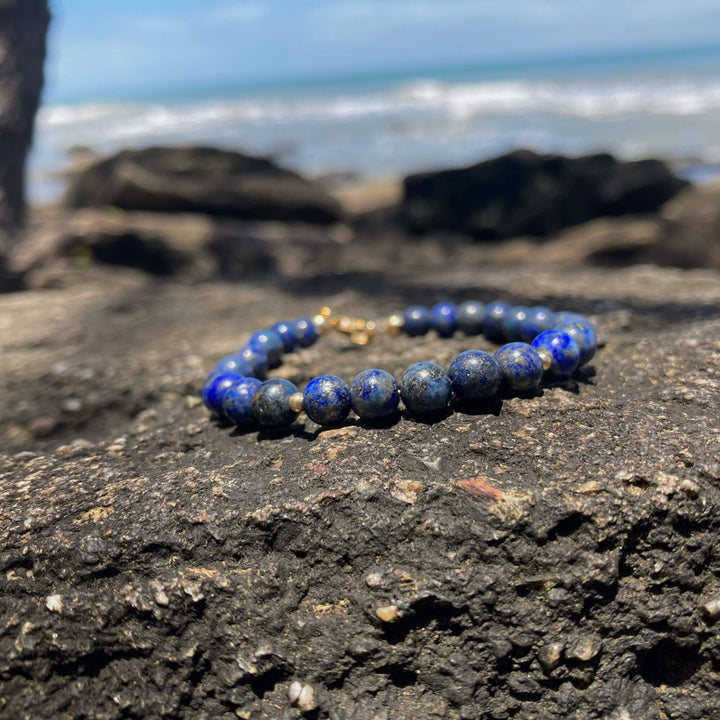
(23, 26)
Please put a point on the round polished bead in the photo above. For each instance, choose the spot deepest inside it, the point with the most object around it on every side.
(425, 388)
(234, 364)
(257, 359)
(305, 331)
(271, 403)
(583, 333)
(565, 316)
(214, 387)
(564, 351)
(287, 334)
(416, 321)
(237, 401)
(520, 365)
(513, 321)
(474, 375)
(492, 323)
(270, 343)
(327, 400)
(537, 321)
(374, 394)
(470, 317)
(443, 318)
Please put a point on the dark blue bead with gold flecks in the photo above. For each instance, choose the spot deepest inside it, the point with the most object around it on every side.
(474, 375)
(271, 403)
(374, 394)
(416, 321)
(520, 365)
(425, 388)
(305, 331)
(326, 400)
(237, 401)
(563, 351)
(214, 387)
(494, 314)
(257, 359)
(443, 318)
(470, 317)
(270, 343)
(582, 331)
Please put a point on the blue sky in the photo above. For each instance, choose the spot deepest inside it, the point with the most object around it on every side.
(101, 49)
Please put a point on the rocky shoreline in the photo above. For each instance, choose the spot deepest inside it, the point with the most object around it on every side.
(198, 213)
(552, 556)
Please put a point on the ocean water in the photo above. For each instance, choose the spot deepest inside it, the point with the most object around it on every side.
(662, 104)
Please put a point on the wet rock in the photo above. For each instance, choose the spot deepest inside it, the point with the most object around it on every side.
(524, 193)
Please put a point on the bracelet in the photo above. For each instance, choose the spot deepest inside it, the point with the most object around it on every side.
(538, 343)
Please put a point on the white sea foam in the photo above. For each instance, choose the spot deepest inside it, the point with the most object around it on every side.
(411, 125)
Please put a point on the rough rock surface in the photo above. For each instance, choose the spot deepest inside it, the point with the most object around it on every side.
(523, 193)
(554, 557)
(204, 180)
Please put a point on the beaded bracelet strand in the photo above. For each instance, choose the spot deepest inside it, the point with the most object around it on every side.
(538, 342)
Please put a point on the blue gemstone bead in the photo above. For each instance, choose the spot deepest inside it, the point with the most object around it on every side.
(286, 331)
(474, 375)
(374, 394)
(305, 331)
(235, 364)
(270, 404)
(494, 314)
(470, 318)
(513, 321)
(443, 318)
(583, 333)
(520, 365)
(563, 350)
(213, 390)
(257, 359)
(237, 401)
(537, 321)
(416, 321)
(565, 316)
(327, 400)
(270, 343)
(425, 388)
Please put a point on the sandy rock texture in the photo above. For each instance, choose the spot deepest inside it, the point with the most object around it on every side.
(549, 557)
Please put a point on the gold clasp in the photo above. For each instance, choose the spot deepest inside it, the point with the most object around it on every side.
(361, 331)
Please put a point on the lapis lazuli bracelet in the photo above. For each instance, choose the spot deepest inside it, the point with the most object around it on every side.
(539, 343)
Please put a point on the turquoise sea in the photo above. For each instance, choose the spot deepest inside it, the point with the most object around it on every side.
(380, 124)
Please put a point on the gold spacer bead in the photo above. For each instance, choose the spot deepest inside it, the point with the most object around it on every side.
(546, 358)
(393, 325)
(323, 321)
(360, 337)
(295, 401)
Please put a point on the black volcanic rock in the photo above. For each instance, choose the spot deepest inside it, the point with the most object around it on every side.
(552, 557)
(524, 193)
(202, 180)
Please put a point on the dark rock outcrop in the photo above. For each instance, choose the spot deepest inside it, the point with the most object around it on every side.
(23, 26)
(524, 193)
(186, 246)
(201, 180)
(554, 558)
